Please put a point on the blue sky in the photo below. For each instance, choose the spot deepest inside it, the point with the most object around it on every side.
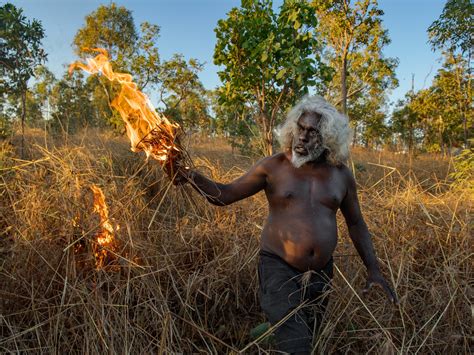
(187, 27)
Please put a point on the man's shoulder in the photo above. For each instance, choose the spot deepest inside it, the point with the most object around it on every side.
(343, 171)
(346, 173)
(276, 158)
(272, 162)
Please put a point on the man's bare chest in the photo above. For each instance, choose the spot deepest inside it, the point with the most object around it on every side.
(311, 190)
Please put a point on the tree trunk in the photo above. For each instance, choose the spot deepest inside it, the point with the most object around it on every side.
(464, 124)
(410, 141)
(354, 137)
(267, 134)
(269, 142)
(344, 84)
(23, 116)
(441, 142)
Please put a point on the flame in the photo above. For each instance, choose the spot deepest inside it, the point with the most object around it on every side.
(147, 130)
(105, 237)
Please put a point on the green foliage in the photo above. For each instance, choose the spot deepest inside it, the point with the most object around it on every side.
(145, 60)
(134, 51)
(20, 49)
(268, 59)
(354, 39)
(71, 99)
(112, 27)
(463, 174)
(20, 54)
(45, 81)
(5, 124)
(34, 114)
(182, 93)
(453, 30)
(370, 123)
(355, 33)
(453, 33)
(405, 124)
(441, 115)
(235, 122)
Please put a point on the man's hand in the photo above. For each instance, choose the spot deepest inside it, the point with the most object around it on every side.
(181, 174)
(375, 278)
(177, 171)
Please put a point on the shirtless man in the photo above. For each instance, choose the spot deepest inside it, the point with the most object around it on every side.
(305, 185)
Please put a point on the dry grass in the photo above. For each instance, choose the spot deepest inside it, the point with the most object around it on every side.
(184, 275)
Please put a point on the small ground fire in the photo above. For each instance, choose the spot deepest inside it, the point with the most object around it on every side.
(105, 239)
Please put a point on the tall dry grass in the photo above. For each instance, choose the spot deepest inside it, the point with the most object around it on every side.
(184, 273)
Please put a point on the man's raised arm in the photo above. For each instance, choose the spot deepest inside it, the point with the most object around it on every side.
(224, 194)
(360, 236)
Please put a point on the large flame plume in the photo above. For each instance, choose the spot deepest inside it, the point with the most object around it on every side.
(147, 130)
(105, 240)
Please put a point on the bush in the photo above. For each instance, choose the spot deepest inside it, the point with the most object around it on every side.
(463, 174)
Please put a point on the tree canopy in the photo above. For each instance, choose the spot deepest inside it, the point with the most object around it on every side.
(453, 30)
(353, 39)
(20, 53)
(268, 59)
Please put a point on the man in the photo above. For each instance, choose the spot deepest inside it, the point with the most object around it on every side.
(305, 185)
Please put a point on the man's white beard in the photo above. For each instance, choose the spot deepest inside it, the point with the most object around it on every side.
(299, 160)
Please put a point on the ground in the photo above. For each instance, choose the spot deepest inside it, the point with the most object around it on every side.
(183, 276)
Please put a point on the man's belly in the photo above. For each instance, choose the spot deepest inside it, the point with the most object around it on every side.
(306, 242)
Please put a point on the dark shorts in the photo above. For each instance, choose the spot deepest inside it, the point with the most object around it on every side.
(283, 290)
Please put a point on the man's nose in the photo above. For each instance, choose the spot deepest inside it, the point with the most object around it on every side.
(303, 137)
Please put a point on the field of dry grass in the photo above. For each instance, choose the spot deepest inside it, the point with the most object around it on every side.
(182, 278)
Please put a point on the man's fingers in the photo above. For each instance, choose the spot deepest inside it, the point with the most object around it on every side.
(393, 296)
(367, 287)
(383, 285)
(389, 292)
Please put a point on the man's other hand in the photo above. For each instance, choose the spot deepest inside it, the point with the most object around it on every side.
(376, 279)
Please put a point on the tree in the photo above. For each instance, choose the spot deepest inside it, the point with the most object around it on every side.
(112, 27)
(182, 93)
(370, 122)
(109, 27)
(235, 122)
(453, 87)
(444, 107)
(453, 30)
(268, 59)
(43, 88)
(405, 123)
(437, 114)
(453, 33)
(354, 39)
(72, 103)
(20, 54)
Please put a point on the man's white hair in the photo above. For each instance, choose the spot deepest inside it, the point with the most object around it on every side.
(334, 128)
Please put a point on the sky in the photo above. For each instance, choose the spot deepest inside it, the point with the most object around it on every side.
(187, 27)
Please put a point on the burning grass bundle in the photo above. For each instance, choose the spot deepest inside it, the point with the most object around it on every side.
(147, 130)
(186, 277)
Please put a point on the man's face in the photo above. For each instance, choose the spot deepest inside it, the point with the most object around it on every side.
(307, 135)
(307, 140)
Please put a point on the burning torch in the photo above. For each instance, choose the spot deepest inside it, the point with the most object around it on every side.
(147, 130)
